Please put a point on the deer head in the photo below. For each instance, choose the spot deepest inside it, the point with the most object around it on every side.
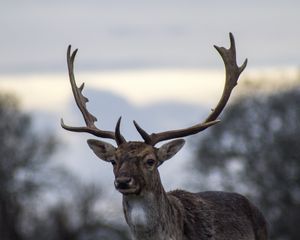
(136, 163)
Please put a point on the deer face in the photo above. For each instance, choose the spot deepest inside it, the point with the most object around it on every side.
(135, 164)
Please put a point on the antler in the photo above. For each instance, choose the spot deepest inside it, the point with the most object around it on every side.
(233, 72)
(81, 103)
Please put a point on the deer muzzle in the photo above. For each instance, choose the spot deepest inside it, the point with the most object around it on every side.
(126, 185)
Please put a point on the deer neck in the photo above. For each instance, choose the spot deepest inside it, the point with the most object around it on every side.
(151, 215)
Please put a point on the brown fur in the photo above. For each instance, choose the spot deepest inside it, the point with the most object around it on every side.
(153, 214)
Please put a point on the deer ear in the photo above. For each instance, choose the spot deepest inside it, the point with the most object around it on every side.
(103, 150)
(169, 149)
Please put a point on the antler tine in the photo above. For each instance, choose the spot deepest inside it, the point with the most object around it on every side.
(233, 72)
(81, 103)
(143, 133)
(119, 138)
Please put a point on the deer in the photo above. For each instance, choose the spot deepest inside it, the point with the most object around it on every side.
(152, 213)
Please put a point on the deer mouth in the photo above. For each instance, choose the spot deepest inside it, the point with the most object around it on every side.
(127, 191)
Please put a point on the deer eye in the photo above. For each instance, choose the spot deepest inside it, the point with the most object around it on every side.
(150, 162)
(113, 162)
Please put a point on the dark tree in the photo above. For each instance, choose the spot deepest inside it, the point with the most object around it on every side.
(75, 218)
(22, 154)
(26, 174)
(255, 150)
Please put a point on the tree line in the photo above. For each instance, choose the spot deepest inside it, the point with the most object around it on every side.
(28, 180)
(255, 150)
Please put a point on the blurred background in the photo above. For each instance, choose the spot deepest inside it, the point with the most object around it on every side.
(154, 62)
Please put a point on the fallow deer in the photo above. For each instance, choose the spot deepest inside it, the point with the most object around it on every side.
(150, 211)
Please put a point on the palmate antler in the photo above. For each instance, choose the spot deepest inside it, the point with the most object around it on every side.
(81, 103)
(233, 72)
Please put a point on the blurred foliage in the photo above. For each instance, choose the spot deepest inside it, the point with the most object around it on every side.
(256, 151)
(28, 181)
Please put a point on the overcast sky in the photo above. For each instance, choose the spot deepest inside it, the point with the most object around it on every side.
(131, 34)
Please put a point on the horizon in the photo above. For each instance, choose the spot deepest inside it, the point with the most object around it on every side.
(153, 85)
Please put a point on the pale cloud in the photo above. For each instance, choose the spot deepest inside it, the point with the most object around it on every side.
(147, 87)
(50, 92)
(37, 92)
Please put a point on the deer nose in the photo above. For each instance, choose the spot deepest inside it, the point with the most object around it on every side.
(123, 182)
